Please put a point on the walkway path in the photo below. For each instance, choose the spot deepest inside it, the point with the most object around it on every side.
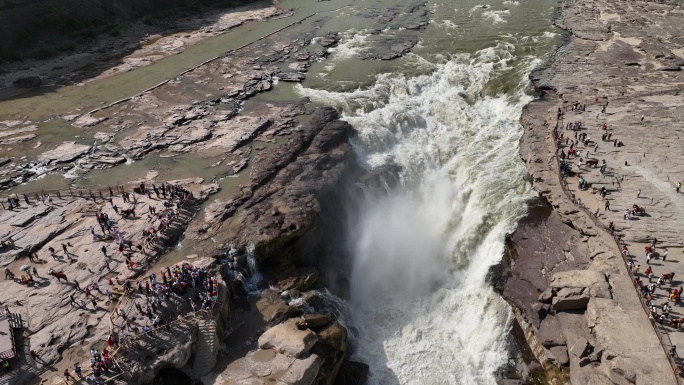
(627, 64)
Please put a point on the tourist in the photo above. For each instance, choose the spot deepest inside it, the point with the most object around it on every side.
(638, 193)
(607, 206)
(664, 253)
(679, 186)
(67, 376)
(77, 370)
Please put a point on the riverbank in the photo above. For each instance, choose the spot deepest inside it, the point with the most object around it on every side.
(567, 274)
(137, 45)
(268, 161)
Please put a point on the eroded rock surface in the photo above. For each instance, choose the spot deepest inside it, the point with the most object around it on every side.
(612, 44)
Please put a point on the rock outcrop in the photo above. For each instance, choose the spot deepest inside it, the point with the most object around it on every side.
(280, 203)
(573, 289)
(565, 273)
(288, 339)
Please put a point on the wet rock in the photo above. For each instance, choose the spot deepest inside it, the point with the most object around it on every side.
(312, 321)
(65, 152)
(352, 373)
(28, 82)
(330, 39)
(299, 279)
(4, 161)
(291, 76)
(88, 121)
(287, 339)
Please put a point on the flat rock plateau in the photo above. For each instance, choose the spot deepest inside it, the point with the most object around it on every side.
(621, 65)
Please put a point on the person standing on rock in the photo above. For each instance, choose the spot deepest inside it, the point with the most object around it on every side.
(664, 253)
(104, 250)
(607, 206)
(68, 376)
(679, 186)
(638, 193)
(77, 370)
(76, 285)
(26, 199)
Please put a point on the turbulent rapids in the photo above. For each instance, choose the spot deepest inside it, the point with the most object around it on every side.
(419, 299)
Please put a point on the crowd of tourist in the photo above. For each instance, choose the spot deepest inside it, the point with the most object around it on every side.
(659, 313)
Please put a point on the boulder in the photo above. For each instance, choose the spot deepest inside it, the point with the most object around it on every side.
(28, 82)
(263, 367)
(287, 339)
(561, 355)
(581, 348)
(291, 77)
(570, 299)
(546, 296)
(299, 279)
(550, 332)
(579, 279)
(302, 372)
(334, 337)
(310, 321)
(574, 288)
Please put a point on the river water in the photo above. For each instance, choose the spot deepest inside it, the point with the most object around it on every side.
(448, 114)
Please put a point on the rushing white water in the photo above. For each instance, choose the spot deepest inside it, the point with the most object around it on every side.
(419, 300)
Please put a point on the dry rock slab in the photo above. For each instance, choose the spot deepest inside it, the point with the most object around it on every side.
(268, 367)
(287, 339)
(574, 288)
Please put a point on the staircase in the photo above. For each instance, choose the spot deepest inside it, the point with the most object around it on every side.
(205, 349)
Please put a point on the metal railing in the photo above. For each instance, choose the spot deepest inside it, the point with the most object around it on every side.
(660, 332)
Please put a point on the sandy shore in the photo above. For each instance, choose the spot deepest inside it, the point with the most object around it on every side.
(624, 56)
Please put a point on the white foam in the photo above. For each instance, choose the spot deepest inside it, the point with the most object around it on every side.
(418, 294)
(496, 17)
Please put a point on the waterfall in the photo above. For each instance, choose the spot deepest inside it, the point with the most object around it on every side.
(421, 252)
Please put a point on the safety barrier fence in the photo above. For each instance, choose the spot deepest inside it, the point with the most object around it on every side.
(86, 193)
(660, 331)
